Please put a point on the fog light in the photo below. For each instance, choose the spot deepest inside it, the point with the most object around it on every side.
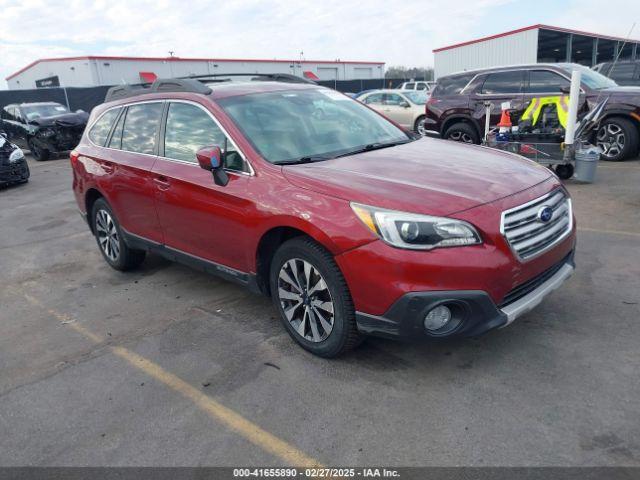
(437, 318)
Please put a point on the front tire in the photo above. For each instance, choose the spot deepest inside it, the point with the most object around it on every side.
(109, 237)
(618, 139)
(420, 125)
(313, 298)
(40, 154)
(462, 132)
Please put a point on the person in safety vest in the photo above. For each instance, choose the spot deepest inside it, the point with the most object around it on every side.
(561, 102)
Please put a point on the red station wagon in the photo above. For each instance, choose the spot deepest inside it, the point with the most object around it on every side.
(351, 224)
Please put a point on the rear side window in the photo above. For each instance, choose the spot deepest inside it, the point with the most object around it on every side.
(141, 128)
(410, 86)
(503, 82)
(116, 136)
(451, 85)
(100, 130)
(544, 81)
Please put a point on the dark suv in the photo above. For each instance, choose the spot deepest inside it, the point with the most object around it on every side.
(623, 73)
(45, 128)
(456, 109)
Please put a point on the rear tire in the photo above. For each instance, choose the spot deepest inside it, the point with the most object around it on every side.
(462, 132)
(313, 299)
(618, 137)
(109, 237)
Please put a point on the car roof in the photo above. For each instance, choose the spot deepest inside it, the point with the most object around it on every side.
(36, 104)
(557, 66)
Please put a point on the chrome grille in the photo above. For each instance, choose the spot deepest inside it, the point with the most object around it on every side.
(529, 236)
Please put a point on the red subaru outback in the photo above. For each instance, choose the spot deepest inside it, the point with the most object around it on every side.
(351, 224)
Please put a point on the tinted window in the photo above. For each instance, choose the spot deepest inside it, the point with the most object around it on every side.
(422, 86)
(116, 136)
(543, 81)
(623, 71)
(100, 130)
(141, 128)
(410, 86)
(189, 128)
(452, 85)
(503, 82)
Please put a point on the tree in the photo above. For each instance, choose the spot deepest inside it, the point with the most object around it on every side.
(415, 73)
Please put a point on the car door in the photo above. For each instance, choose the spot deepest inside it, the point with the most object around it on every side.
(547, 83)
(10, 125)
(398, 109)
(497, 88)
(125, 165)
(22, 129)
(198, 217)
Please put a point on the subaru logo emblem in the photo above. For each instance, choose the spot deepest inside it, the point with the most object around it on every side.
(545, 214)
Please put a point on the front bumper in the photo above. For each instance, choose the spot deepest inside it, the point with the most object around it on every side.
(14, 172)
(474, 311)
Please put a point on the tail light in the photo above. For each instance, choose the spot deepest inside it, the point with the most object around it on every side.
(73, 156)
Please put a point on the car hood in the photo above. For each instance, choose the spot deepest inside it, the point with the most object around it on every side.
(78, 119)
(436, 177)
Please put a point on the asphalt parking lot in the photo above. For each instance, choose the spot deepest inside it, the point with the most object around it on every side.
(169, 367)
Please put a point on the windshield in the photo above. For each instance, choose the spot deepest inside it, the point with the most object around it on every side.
(33, 112)
(593, 79)
(297, 124)
(418, 97)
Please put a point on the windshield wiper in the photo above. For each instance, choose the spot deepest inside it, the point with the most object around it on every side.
(301, 160)
(372, 146)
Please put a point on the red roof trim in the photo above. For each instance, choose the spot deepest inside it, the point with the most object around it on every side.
(310, 75)
(149, 77)
(179, 59)
(531, 27)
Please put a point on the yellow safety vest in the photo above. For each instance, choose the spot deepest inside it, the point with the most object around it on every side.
(535, 107)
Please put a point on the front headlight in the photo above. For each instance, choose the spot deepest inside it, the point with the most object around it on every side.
(414, 231)
(16, 155)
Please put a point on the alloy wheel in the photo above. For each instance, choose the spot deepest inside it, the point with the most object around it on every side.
(421, 127)
(107, 235)
(459, 136)
(611, 139)
(305, 300)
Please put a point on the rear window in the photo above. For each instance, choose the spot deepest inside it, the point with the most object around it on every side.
(452, 85)
(100, 130)
(141, 128)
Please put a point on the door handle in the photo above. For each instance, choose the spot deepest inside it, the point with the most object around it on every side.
(162, 182)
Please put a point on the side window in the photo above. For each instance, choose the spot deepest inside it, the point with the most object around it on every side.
(544, 81)
(410, 86)
(623, 71)
(503, 82)
(116, 136)
(188, 129)
(141, 128)
(392, 99)
(375, 99)
(451, 85)
(100, 130)
(422, 86)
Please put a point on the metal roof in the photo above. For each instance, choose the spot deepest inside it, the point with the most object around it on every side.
(532, 27)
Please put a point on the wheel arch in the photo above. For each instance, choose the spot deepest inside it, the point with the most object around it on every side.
(273, 237)
(90, 197)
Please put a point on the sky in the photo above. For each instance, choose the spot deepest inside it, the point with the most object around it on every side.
(395, 32)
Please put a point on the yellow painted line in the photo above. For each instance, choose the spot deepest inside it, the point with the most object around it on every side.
(215, 410)
(611, 232)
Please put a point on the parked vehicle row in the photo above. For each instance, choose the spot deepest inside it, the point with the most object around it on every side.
(351, 224)
(456, 108)
(45, 128)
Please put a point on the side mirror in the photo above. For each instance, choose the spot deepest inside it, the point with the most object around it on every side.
(211, 159)
(566, 90)
(405, 105)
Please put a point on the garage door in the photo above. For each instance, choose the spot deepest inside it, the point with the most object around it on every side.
(326, 73)
(362, 72)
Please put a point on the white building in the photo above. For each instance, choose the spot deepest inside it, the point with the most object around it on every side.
(100, 70)
(534, 44)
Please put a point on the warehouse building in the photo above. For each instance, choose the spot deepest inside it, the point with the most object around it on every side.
(100, 70)
(534, 44)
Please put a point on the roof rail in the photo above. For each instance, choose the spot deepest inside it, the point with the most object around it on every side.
(256, 77)
(160, 85)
